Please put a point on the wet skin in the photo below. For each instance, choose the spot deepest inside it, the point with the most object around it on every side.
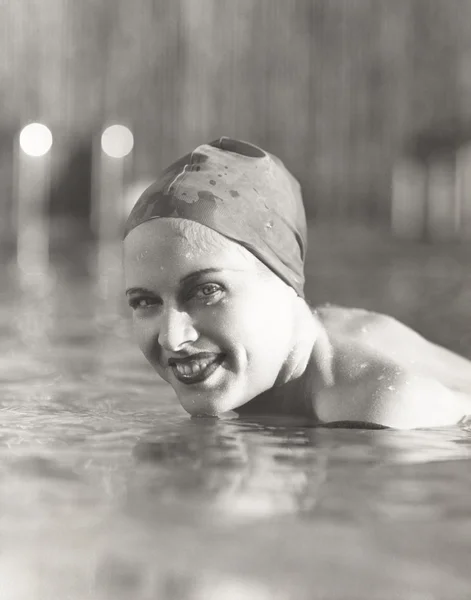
(221, 302)
(247, 342)
(385, 373)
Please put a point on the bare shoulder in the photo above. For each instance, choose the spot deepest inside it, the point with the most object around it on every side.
(388, 374)
(356, 322)
(362, 332)
(366, 343)
(401, 400)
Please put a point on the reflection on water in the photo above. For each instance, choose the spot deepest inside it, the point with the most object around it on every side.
(109, 490)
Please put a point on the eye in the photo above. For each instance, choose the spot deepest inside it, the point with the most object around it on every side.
(208, 291)
(142, 302)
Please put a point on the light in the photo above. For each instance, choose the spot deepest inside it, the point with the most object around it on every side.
(117, 141)
(214, 588)
(35, 139)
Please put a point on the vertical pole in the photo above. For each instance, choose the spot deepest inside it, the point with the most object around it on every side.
(111, 161)
(408, 209)
(442, 214)
(463, 191)
(32, 189)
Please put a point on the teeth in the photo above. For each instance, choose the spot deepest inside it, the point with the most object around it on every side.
(193, 368)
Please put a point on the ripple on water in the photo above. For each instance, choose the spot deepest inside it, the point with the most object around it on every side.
(109, 490)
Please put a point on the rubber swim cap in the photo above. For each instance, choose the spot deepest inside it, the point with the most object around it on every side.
(243, 193)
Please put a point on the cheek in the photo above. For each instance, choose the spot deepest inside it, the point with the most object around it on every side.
(249, 322)
(262, 313)
(269, 328)
(144, 338)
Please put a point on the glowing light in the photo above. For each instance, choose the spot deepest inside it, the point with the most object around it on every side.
(232, 589)
(35, 139)
(117, 141)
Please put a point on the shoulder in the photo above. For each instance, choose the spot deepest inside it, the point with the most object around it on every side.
(386, 373)
(356, 321)
(356, 333)
(397, 398)
(364, 343)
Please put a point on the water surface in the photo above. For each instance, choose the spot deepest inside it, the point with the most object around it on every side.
(109, 491)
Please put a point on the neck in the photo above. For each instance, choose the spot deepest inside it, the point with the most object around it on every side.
(306, 372)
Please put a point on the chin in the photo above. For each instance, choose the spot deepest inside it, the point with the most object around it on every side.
(202, 405)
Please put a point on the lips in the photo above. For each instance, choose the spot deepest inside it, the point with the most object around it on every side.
(196, 368)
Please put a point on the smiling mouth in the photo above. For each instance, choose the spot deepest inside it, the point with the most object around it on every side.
(195, 370)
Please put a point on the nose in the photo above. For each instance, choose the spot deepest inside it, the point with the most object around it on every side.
(176, 330)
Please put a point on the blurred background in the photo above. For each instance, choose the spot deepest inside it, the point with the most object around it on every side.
(368, 103)
(339, 89)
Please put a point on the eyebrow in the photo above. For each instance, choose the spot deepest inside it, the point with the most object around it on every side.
(190, 276)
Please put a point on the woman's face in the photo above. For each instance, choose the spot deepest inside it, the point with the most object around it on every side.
(211, 319)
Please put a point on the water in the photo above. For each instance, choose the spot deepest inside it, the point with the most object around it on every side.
(109, 491)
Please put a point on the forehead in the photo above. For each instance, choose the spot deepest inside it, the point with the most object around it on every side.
(160, 248)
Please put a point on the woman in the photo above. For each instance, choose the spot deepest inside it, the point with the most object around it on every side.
(214, 257)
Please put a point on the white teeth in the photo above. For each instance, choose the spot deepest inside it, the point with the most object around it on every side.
(193, 368)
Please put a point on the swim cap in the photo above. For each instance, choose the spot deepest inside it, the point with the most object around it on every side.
(243, 193)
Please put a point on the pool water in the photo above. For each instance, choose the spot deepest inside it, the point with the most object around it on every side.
(109, 490)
